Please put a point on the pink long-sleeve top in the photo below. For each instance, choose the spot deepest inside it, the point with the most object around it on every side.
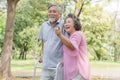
(76, 61)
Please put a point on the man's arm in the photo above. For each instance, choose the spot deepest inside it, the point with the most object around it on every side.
(42, 46)
(41, 57)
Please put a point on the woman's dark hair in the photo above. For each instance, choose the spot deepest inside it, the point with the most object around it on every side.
(77, 24)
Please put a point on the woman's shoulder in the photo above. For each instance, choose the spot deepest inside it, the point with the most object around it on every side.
(78, 33)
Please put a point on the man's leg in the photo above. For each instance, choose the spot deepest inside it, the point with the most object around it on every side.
(45, 74)
(52, 73)
(48, 74)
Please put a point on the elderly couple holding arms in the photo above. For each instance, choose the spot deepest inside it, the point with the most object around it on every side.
(63, 41)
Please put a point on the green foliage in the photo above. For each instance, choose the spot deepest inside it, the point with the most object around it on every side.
(29, 16)
(2, 29)
(96, 24)
(29, 13)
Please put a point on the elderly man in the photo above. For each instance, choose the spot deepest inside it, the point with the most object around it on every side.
(51, 44)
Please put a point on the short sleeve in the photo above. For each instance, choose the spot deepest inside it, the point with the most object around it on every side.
(40, 35)
(75, 40)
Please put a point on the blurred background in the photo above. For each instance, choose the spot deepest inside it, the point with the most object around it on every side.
(100, 23)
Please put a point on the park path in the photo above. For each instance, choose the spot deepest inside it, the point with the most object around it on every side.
(98, 74)
(107, 74)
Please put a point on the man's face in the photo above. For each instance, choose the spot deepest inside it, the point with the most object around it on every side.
(53, 14)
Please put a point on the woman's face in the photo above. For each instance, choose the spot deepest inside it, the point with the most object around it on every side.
(69, 25)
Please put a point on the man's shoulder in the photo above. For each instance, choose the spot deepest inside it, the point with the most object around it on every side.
(62, 21)
(45, 23)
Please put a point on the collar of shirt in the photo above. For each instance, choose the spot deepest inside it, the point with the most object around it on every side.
(58, 21)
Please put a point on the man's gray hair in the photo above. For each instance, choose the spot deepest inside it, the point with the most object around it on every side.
(59, 7)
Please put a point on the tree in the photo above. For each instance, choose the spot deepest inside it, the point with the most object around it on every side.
(2, 30)
(30, 15)
(96, 24)
(5, 68)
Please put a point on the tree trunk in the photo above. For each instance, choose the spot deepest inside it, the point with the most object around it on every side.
(80, 9)
(5, 68)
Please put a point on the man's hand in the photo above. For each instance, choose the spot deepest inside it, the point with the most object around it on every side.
(40, 59)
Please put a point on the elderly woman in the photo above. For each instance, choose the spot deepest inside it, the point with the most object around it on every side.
(76, 62)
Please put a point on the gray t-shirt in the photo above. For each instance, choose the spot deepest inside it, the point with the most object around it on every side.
(52, 51)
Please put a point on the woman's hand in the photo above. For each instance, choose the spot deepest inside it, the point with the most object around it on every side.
(57, 31)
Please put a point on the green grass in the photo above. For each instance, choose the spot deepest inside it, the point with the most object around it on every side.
(28, 66)
(24, 65)
(100, 65)
(23, 78)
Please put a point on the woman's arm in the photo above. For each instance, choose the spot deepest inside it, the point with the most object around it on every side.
(65, 40)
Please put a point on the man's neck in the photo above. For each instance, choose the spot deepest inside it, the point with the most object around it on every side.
(52, 23)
